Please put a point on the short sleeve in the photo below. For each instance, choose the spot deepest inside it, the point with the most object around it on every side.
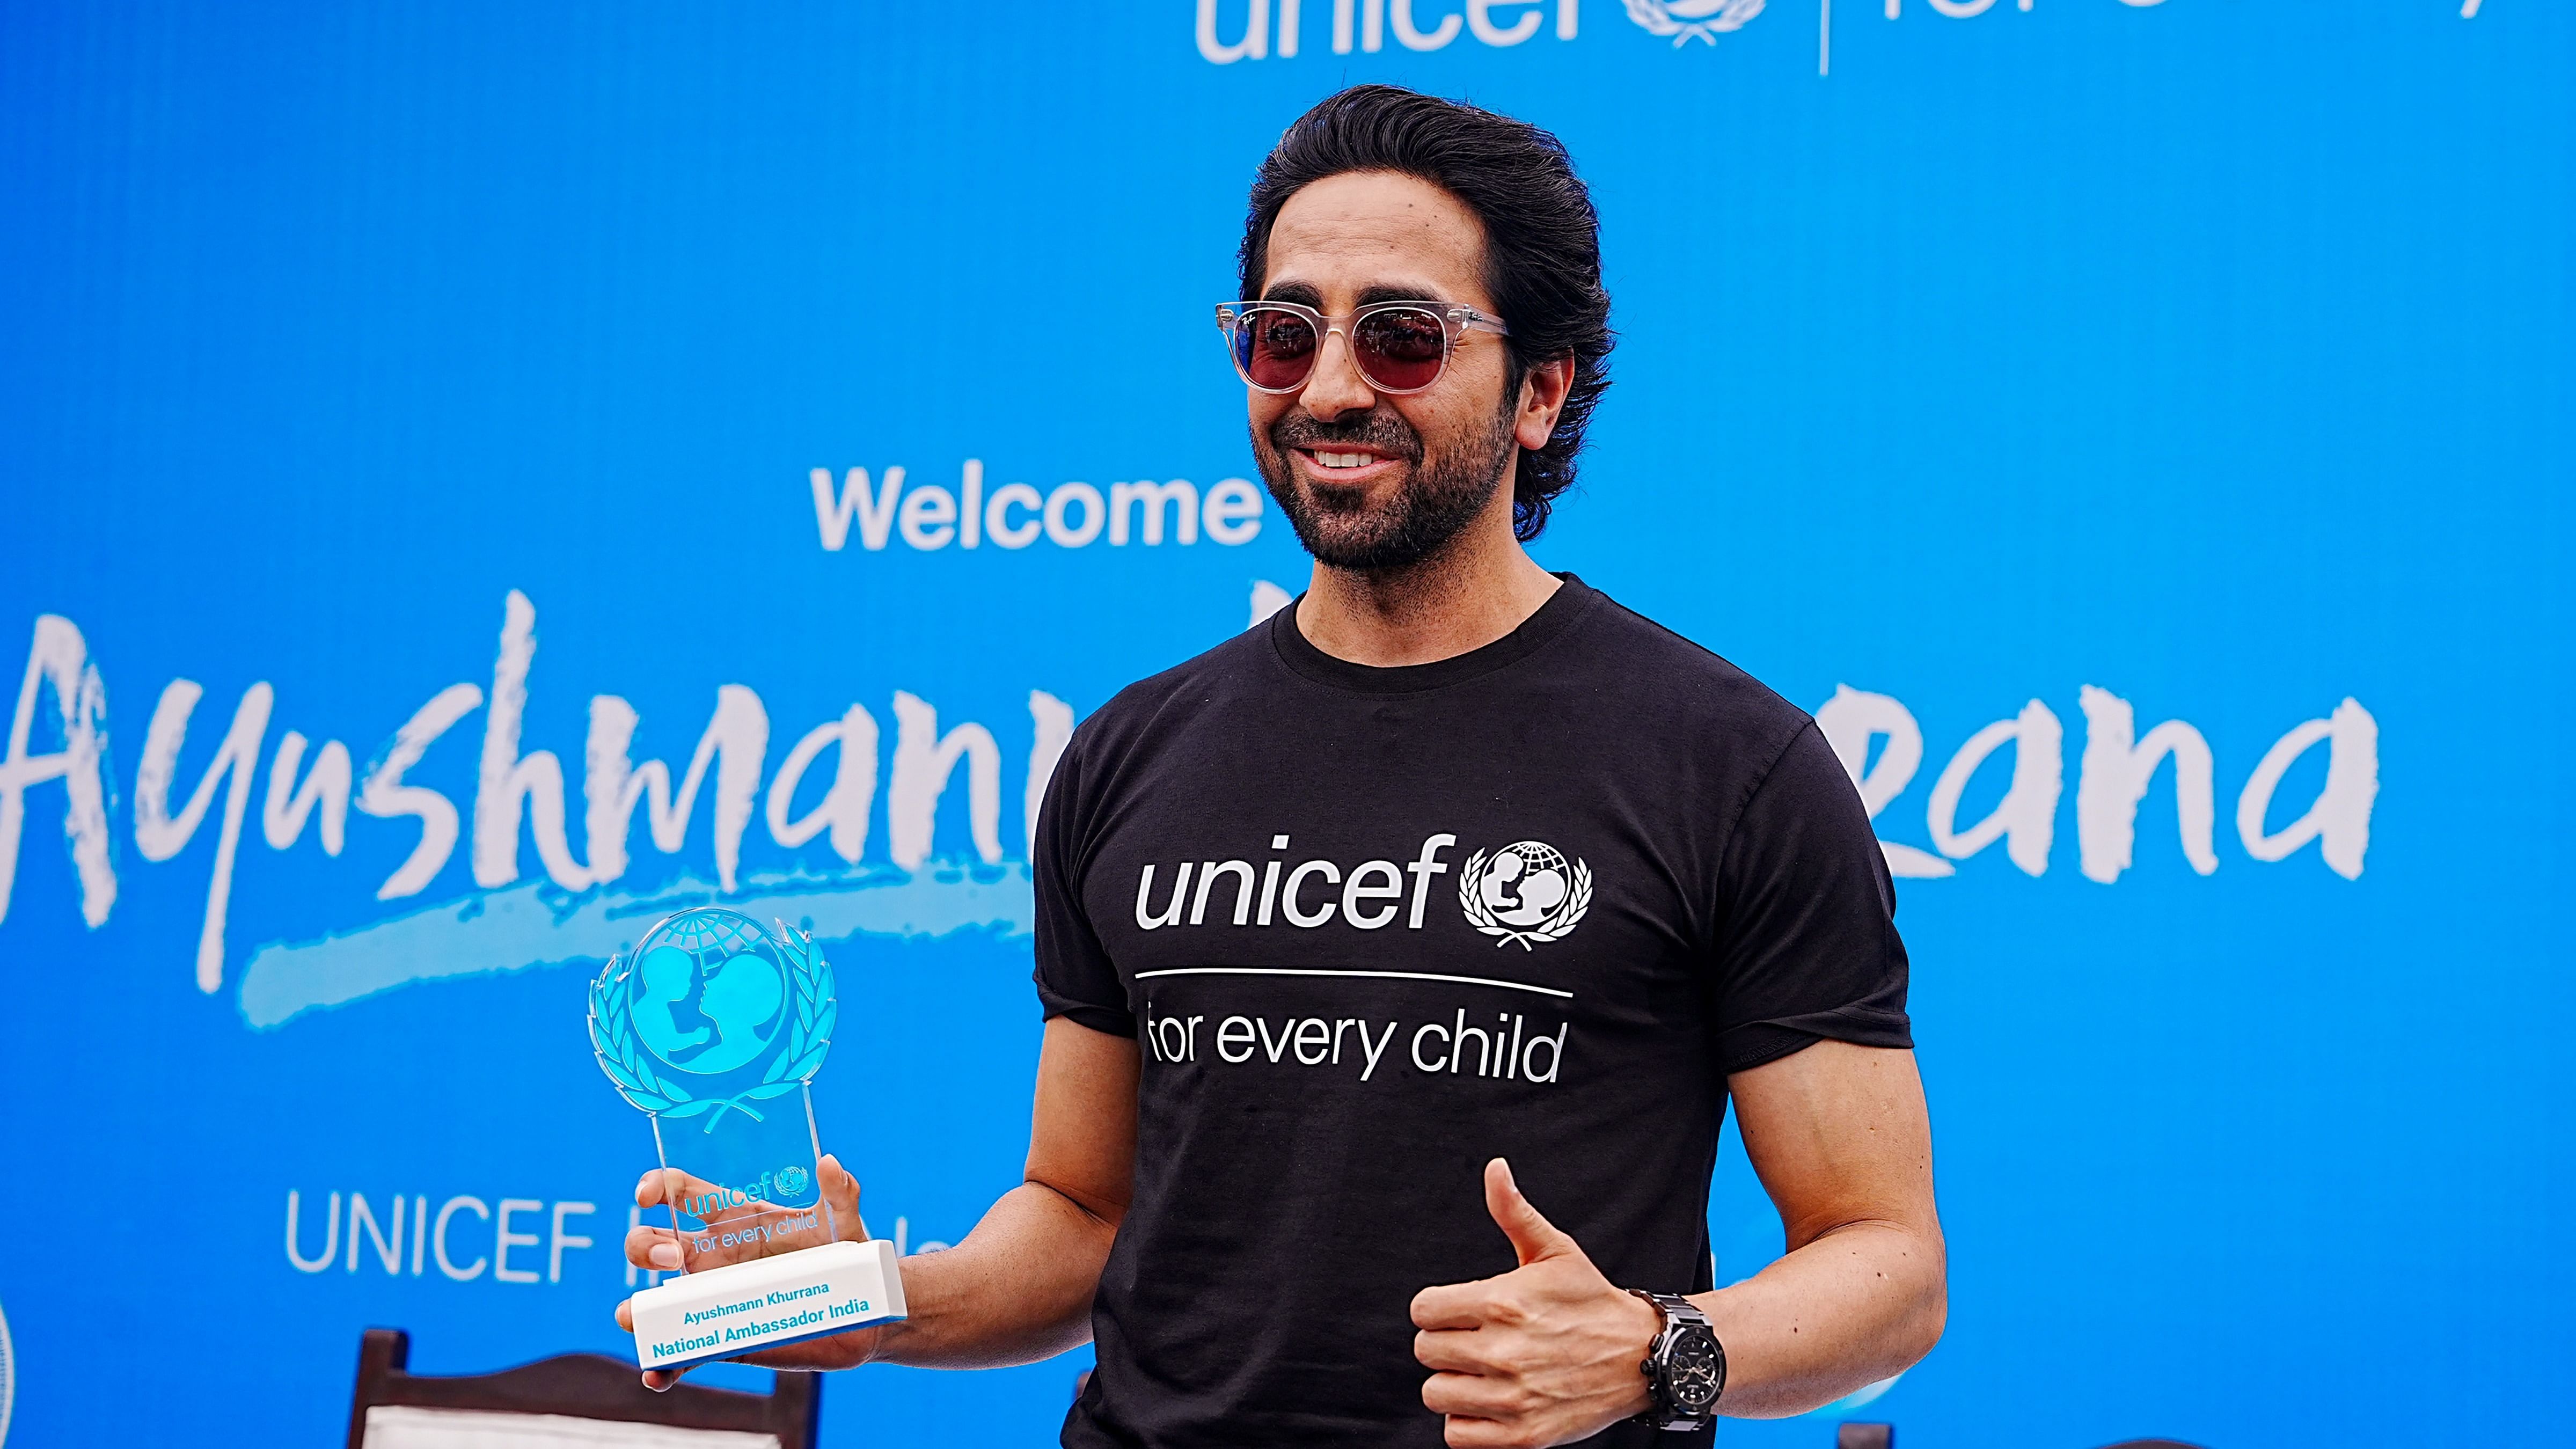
(1075, 977)
(1806, 944)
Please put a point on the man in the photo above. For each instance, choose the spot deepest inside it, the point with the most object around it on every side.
(1400, 955)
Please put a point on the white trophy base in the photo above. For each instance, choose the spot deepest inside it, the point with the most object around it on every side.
(722, 1312)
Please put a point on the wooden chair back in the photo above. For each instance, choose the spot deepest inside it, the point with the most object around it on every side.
(580, 1386)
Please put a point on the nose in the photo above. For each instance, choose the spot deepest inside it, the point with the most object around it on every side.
(1335, 386)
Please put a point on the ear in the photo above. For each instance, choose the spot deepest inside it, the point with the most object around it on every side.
(1543, 391)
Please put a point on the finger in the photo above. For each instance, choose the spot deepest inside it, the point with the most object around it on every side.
(654, 1248)
(660, 1380)
(838, 1351)
(661, 1185)
(668, 1187)
(841, 1190)
(1452, 1350)
(626, 1315)
(1461, 1431)
(1452, 1305)
(1533, 1237)
(1469, 1394)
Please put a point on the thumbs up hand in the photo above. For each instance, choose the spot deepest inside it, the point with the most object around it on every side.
(1544, 1354)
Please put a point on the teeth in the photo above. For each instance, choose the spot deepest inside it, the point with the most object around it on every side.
(1344, 460)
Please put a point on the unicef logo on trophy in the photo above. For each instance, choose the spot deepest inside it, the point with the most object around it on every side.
(1685, 20)
(713, 1016)
(1524, 892)
(710, 1013)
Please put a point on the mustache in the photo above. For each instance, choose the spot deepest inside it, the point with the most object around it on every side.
(1378, 429)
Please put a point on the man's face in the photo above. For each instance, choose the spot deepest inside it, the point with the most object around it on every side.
(1376, 480)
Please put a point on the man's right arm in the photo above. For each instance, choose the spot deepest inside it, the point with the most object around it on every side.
(1019, 1288)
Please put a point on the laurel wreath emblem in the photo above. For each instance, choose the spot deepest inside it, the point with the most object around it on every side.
(1658, 18)
(809, 1035)
(1569, 914)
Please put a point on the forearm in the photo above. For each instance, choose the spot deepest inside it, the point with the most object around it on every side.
(1017, 1290)
(1858, 1304)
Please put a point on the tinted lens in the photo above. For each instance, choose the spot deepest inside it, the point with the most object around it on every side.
(1401, 349)
(1275, 349)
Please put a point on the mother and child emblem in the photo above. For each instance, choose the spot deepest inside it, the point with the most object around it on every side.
(714, 1026)
(1524, 892)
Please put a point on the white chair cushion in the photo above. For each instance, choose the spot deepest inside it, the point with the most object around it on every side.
(402, 1426)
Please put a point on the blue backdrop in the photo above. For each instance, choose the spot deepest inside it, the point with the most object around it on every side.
(401, 389)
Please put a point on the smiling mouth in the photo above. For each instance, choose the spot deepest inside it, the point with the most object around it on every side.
(1344, 465)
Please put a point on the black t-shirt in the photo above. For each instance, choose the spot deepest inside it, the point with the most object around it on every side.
(1372, 927)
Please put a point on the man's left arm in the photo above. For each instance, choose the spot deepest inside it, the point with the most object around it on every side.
(1549, 1352)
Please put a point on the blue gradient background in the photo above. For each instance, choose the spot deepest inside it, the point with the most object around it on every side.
(2215, 353)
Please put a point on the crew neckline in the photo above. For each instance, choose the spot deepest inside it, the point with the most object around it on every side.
(1550, 619)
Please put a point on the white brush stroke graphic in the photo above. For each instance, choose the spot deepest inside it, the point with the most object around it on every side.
(516, 929)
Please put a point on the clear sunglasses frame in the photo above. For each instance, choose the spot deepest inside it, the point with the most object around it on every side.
(1455, 320)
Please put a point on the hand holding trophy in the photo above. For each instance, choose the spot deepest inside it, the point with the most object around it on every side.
(714, 1027)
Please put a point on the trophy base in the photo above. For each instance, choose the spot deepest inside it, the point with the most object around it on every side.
(732, 1310)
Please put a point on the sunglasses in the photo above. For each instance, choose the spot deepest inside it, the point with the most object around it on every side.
(1399, 347)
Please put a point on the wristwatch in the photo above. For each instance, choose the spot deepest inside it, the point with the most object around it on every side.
(1685, 1368)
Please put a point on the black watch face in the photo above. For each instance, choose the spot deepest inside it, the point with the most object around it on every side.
(1691, 1371)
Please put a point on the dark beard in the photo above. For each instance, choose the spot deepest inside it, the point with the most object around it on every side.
(1427, 514)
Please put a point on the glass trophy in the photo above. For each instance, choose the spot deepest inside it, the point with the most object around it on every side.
(713, 1026)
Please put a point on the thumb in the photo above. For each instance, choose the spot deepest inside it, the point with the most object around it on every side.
(841, 1190)
(1533, 1237)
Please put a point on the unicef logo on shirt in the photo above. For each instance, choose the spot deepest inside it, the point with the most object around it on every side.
(709, 994)
(1524, 892)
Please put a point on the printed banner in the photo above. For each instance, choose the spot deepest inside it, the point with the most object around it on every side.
(481, 478)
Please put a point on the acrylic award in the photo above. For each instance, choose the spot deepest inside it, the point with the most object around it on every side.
(713, 1026)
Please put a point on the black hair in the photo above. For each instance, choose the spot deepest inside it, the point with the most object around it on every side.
(1542, 240)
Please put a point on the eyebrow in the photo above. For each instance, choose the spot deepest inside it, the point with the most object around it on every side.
(1305, 294)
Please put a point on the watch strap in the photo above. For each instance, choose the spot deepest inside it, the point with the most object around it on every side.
(1680, 1314)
